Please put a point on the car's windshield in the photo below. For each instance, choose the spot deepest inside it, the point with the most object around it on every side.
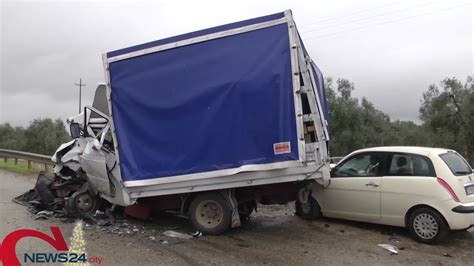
(456, 163)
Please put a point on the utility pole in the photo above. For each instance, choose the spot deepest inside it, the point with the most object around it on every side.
(80, 91)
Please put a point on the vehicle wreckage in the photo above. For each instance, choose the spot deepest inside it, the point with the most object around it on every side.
(207, 123)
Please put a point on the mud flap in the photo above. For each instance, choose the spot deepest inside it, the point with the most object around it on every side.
(235, 218)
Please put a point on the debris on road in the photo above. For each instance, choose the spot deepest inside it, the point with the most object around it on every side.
(394, 237)
(175, 234)
(197, 234)
(43, 215)
(104, 223)
(58, 208)
(393, 249)
(447, 255)
(387, 232)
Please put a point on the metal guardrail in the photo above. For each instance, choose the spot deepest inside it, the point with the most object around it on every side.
(27, 156)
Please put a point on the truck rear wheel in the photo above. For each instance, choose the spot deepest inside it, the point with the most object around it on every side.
(210, 213)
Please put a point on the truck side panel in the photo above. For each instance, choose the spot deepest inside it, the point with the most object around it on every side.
(214, 105)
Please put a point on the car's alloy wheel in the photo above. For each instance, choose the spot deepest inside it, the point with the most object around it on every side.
(426, 225)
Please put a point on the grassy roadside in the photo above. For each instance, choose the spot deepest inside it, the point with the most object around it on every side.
(21, 167)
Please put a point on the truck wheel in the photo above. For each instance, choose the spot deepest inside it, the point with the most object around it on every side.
(428, 226)
(82, 204)
(309, 210)
(210, 213)
(42, 187)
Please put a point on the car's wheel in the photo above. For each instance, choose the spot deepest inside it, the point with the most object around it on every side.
(309, 210)
(428, 226)
(210, 213)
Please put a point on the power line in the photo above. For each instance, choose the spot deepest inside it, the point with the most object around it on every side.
(365, 18)
(387, 22)
(348, 15)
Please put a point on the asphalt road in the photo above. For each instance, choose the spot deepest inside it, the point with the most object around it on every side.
(273, 236)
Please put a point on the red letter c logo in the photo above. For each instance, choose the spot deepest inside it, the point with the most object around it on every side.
(7, 250)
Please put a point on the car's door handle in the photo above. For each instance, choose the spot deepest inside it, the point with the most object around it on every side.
(371, 184)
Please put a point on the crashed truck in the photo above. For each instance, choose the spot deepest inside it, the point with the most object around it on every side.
(208, 124)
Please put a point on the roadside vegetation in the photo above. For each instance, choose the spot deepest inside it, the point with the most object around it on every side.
(42, 136)
(446, 113)
(21, 167)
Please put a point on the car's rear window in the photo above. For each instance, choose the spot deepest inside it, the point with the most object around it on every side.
(456, 163)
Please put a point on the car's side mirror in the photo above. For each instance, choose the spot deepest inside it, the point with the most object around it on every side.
(75, 130)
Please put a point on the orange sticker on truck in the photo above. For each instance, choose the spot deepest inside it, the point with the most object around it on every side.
(281, 148)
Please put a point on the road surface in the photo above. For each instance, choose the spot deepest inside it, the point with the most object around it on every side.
(273, 236)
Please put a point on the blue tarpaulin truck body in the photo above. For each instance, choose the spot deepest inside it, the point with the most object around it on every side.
(230, 116)
(210, 106)
(218, 101)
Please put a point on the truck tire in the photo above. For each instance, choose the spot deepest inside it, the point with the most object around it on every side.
(308, 211)
(42, 188)
(428, 226)
(82, 204)
(210, 213)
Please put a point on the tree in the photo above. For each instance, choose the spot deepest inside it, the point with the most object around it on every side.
(448, 113)
(467, 110)
(12, 138)
(410, 134)
(43, 136)
(345, 118)
(345, 88)
(354, 125)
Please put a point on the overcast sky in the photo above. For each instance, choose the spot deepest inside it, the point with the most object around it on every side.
(391, 50)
